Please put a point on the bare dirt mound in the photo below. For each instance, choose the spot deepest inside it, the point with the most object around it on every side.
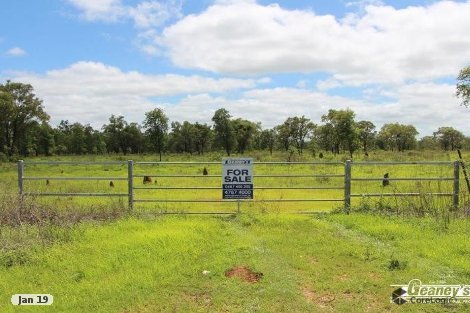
(244, 273)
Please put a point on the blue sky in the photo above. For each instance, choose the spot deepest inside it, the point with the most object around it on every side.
(389, 61)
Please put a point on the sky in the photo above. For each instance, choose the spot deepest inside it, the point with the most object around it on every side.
(388, 61)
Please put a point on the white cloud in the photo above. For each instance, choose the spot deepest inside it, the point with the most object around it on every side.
(16, 52)
(425, 105)
(90, 92)
(302, 84)
(144, 15)
(383, 48)
(383, 45)
(328, 83)
(103, 10)
(154, 13)
(362, 4)
(146, 42)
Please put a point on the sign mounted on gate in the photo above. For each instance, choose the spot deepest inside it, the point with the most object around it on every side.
(237, 178)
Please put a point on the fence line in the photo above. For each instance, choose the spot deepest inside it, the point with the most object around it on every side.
(255, 163)
(73, 178)
(347, 184)
(218, 176)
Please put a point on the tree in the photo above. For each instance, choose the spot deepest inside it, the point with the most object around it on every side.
(397, 136)
(284, 134)
(175, 140)
(463, 86)
(449, 138)
(94, 141)
(268, 139)
(182, 137)
(45, 140)
(114, 134)
(21, 111)
(61, 134)
(156, 128)
(7, 109)
(133, 138)
(294, 131)
(300, 128)
(324, 136)
(202, 137)
(83, 139)
(224, 131)
(345, 131)
(188, 134)
(428, 143)
(77, 139)
(366, 133)
(244, 133)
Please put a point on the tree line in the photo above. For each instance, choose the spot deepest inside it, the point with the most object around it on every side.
(25, 131)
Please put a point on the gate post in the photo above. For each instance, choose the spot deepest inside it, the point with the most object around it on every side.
(130, 184)
(20, 177)
(456, 191)
(347, 186)
(20, 183)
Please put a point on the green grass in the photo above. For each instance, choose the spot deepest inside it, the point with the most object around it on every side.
(76, 249)
(309, 264)
(417, 238)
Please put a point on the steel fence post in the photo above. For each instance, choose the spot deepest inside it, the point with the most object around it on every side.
(20, 177)
(456, 191)
(347, 186)
(130, 184)
(20, 182)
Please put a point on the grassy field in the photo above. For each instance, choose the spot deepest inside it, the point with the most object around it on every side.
(94, 257)
(310, 264)
(160, 182)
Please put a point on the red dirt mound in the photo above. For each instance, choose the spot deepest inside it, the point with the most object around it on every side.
(244, 273)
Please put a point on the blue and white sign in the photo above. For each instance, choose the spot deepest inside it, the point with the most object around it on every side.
(237, 178)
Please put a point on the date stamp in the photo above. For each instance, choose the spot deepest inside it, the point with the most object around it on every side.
(32, 299)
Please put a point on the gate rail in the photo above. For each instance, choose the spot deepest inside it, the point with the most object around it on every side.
(456, 180)
(255, 188)
(346, 186)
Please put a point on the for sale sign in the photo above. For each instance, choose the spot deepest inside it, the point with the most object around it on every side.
(237, 178)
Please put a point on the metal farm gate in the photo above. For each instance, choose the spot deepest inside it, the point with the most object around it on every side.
(197, 185)
(291, 176)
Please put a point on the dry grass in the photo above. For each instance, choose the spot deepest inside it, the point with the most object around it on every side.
(16, 211)
(27, 226)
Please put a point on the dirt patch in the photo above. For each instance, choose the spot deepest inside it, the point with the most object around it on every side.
(326, 298)
(348, 295)
(308, 294)
(244, 273)
(323, 301)
(342, 277)
(313, 260)
(375, 276)
(201, 298)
